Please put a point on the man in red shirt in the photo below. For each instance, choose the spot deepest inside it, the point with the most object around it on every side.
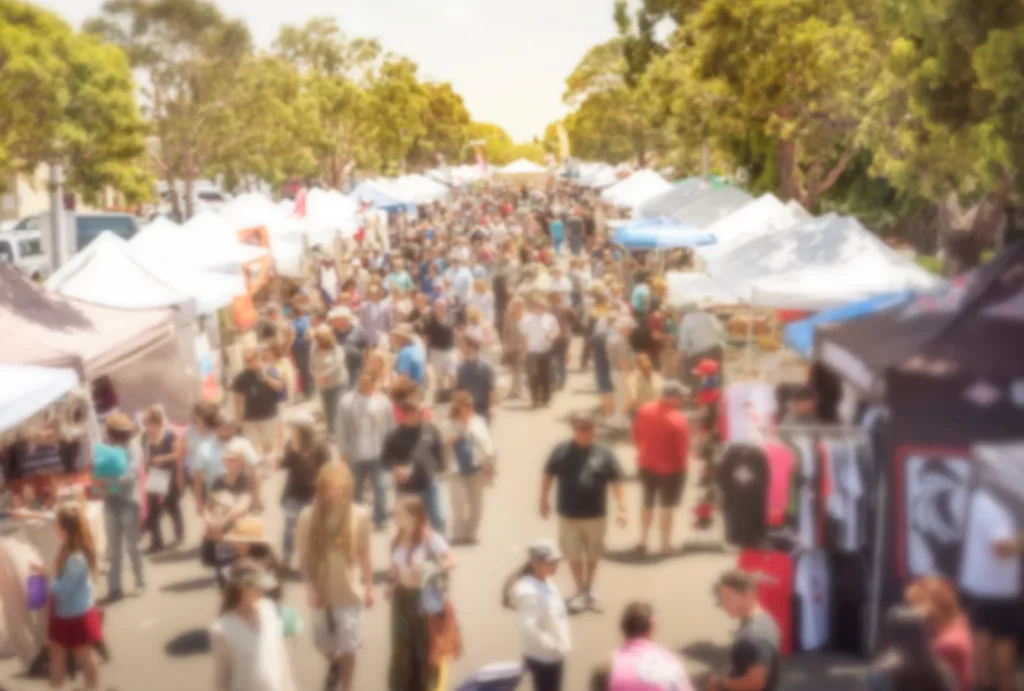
(662, 437)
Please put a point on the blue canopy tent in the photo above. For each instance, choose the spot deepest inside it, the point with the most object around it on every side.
(659, 234)
(800, 335)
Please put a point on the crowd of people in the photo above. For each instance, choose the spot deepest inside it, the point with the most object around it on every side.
(363, 390)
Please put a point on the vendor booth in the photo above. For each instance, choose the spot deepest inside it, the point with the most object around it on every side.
(680, 194)
(137, 349)
(763, 216)
(36, 411)
(523, 171)
(709, 204)
(947, 366)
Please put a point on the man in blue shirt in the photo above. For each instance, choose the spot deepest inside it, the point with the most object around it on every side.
(412, 357)
(557, 227)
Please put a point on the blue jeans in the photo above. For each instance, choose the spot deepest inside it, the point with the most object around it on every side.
(433, 500)
(122, 519)
(292, 509)
(373, 468)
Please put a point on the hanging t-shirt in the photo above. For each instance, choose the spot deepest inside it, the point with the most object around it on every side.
(845, 502)
(811, 587)
(983, 573)
(802, 496)
(781, 464)
(748, 411)
(743, 477)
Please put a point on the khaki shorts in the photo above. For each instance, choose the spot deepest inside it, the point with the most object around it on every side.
(261, 433)
(582, 538)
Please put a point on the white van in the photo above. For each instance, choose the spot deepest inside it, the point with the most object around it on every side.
(24, 249)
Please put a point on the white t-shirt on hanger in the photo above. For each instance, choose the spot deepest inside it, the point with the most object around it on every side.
(811, 585)
(983, 573)
(807, 524)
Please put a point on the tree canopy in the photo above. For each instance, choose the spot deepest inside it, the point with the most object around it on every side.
(68, 98)
(877, 108)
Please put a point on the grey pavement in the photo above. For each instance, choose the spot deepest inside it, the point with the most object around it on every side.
(157, 640)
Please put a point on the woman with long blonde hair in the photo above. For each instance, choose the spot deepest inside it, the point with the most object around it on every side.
(333, 540)
(75, 624)
(424, 632)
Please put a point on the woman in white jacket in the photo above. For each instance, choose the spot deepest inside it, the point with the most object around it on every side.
(247, 638)
(543, 618)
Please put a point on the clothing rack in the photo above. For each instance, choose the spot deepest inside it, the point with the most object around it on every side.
(831, 430)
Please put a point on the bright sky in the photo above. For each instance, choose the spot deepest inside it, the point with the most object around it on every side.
(508, 58)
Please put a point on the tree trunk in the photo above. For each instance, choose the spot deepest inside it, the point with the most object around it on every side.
(789, 171)
(979, 228)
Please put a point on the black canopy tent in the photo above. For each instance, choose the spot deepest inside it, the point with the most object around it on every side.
(949, 366)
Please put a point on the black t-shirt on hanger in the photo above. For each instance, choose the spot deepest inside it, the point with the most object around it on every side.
(742, 476)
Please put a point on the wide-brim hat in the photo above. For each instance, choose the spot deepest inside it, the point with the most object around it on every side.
(252, 574)
(119, 422)
(247, 530)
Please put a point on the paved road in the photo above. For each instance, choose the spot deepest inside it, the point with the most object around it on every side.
(157, 640)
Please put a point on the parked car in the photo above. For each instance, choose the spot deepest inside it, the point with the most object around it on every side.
(25, 251)
(88, 226)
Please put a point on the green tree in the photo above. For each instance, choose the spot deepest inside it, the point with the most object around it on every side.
(800, 69)
(335, 72)
(951, 128)
(190, 55)
(66, 97)
(497, 145)
(399, 104)
(446, 123)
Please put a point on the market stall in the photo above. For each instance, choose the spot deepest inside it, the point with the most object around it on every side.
(138, 350)
(761, 217)
(946, 364)
(37, 405)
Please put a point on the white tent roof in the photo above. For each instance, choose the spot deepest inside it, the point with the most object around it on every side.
(421, 189)
(106, 273)
(28, 390)
(636, 189)
(681, 193)
(253, 210)
(763, 216)
(329, 211)
(687, 287)
(522, 167)
(203, 247)
(608, 177)
(832, 255)
(711, 205)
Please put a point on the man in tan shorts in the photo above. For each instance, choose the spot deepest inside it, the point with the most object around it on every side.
(584, 471)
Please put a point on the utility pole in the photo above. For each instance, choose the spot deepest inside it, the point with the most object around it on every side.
(57, 235)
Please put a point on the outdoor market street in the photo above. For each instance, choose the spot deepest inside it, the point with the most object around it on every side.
(158, 643)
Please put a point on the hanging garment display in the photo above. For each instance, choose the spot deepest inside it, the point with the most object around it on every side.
(748, 412)
(936, 490)
(781, 466)
(845, 505)
(812, 599)
(774, 573)
(742, 475)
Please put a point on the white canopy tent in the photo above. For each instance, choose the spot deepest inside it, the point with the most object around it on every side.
(763, 216)
(107, 273)
(636, 189)
(29, 389)
(420, 188)
(522, 167)
(682, 193)
(252, 210)
(835, 255)
(687, 287)
(712, 204)
(212, 246)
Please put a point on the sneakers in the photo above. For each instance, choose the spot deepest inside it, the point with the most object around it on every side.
(593, 604)
(577, 603)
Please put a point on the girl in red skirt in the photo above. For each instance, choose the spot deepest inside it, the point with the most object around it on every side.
(75, 624)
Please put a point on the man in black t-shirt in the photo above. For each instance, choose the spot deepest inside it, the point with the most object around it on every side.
(439, 333)
(584, 471)
(414, 453)
(255, 397)
(754, 655)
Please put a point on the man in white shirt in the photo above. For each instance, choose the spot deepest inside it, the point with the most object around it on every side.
(539, 329)
(990, 577)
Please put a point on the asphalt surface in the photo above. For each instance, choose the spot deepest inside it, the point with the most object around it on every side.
(158, 639)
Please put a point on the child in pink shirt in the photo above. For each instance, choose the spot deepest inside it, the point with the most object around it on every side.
(641, 664)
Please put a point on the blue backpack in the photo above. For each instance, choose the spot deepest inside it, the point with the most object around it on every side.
(109, 462)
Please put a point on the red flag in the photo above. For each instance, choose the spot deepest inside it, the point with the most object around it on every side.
(300, 204)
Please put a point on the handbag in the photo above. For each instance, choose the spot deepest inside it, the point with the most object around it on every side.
(38, 592)
(158, 481)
